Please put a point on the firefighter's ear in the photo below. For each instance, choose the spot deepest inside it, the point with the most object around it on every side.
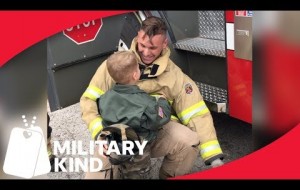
(165, 43)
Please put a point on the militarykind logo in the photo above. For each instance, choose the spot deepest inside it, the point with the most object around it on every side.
(26, 154)
(91, 163)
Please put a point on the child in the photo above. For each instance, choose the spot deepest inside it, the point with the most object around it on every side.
(126, 103)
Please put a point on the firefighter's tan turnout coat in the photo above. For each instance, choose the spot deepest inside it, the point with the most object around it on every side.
(162, 77)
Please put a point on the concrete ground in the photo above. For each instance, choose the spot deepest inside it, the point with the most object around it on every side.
(235, 137)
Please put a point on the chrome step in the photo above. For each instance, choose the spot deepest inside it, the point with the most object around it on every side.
(202, 46)
(214, 97)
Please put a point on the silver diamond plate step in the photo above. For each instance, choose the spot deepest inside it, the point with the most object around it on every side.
(211, 24)
(215, 98)
(203, 46)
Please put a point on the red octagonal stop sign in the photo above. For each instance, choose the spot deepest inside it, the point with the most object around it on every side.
(85, 32)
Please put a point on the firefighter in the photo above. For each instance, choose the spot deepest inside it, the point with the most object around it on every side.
(191, 130)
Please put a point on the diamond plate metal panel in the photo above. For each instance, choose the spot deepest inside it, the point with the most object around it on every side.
(211, 93)
(211, 24)
(214, 97)
(203, 46)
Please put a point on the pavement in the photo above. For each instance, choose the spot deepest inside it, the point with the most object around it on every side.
(235, 137)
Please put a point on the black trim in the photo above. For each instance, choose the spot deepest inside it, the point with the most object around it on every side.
(154, 69)
(49, 129)
(49, 132)
(142, 68)
(69, 64)
(146, 76)
(150, 5)
(152, 72)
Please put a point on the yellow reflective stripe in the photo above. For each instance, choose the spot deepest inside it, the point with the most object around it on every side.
(93, 93)
(154, 94)
(95, 127)
(211, 153)
(49, 153)
(96, 131)
(208, 144)
(195, 110)
(96, 89)
(210, 149)
(90, 96)
(173, 117)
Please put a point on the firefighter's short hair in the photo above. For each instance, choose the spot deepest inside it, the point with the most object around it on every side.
(121, 65)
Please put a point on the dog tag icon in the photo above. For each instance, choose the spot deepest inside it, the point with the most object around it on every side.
(23, 152)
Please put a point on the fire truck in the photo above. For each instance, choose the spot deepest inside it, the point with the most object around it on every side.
(214, 48)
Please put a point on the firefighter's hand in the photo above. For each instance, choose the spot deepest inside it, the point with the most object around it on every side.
(216, 163)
